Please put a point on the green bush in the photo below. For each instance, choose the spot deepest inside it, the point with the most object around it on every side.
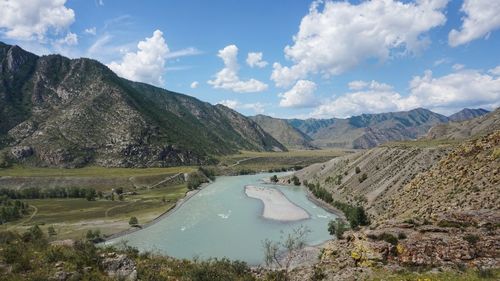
(363, 177)
(133, 221)
(471, 238)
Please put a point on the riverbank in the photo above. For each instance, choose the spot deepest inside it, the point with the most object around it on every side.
(163, 215)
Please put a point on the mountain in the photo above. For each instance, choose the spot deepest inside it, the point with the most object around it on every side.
(282, 131)
(430, 204)
(369, 130)
(466, 114)
(461, 130)
(56, 111)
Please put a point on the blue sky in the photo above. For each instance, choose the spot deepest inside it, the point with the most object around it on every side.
(310, 59)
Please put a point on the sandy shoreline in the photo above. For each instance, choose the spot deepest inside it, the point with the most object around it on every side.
(276, 204)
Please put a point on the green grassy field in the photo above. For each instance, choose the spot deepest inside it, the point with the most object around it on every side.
(72, 218)
(20, 171)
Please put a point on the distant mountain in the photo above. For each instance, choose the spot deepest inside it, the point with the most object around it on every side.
(481, 125)
(466, 114)
(55, 111)
(285, 133)
(369, 130)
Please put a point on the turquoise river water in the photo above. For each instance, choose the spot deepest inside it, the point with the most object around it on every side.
(221, 221)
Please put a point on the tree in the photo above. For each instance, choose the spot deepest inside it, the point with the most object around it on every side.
(133, 221)
(281, 254)
(90, 194)
(337, 228)
(295, 180)
(274, 179)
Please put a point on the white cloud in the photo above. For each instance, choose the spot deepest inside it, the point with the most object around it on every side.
(445, 94)
(481, 18)
(342, 35)
(457, 66)
(183, 52)
(147, 64)
(495, 71)
(299, 96)
(234, 104)
(255, 60)
(466, 88)
(91, 30)
(70, 39)
(228, 78)
(28, 21)
(194, 85)
(373, 85)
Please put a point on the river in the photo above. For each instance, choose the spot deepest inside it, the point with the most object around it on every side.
(221, 221)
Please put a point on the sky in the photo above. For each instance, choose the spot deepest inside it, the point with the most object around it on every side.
(287, 59)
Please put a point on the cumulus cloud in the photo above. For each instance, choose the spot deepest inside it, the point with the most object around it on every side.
(194, 85)
(255, 60)
(234, 104)
(70, 39)
(228, 77)
(299, 96)
(342, 35)
(147, 64)
(28, 21)
(445, 94)
(91, 30)
(481, 18)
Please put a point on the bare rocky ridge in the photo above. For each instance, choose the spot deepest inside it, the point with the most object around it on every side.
(462, 130)
(285, 133)
(467, 114)
(68, 113)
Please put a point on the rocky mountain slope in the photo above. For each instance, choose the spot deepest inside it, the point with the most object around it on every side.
(55, 111)
(432, 204)
(466, 114)
(461, 130)
(285, 133)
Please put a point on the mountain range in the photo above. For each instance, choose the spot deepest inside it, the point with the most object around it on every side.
(61, 112)
(367, 130)
(56, 111)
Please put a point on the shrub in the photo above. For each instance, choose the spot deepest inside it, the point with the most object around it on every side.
(274, 179)
(363, 177)
(389, 238)
(133, 221)
(51, 231)
(471, 238)
(357, 170)
(295, 180)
